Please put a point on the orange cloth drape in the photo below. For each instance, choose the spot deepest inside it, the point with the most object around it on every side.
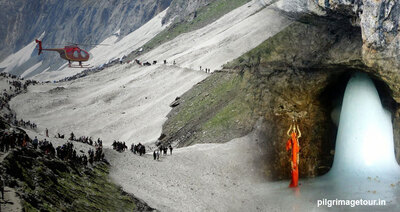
(293, 144)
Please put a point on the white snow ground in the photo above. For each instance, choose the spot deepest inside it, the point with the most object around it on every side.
(124, 102)
(17, 59)
(20, 57)
(112, 104)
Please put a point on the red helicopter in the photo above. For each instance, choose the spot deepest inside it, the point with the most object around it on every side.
(71, 53)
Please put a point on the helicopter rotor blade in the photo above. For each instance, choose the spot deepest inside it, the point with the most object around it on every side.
(88, 44)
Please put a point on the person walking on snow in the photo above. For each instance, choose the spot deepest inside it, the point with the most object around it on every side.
(35, 142)
(293, 143)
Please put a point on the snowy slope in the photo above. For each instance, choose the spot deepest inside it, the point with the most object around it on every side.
(17, 59)
(31, 69)
(113, 105)
(226, 39)
(20, 57)
(124, 102)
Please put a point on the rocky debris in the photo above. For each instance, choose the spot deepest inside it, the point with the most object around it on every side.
(176, 102)
(378, 20)
(57, 89)
(180, 9)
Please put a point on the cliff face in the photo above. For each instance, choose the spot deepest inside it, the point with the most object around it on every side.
(75, 21)
(182, 8)
(379, 24)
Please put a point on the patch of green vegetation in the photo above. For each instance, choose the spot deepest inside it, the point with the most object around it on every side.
(94, 191)
(286, 49)
(202, 103)
(215, 110)
(28, 207)
(272, 49)
(204, 16)
(233, 114)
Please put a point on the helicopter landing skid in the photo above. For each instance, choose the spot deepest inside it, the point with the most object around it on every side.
(80, 66)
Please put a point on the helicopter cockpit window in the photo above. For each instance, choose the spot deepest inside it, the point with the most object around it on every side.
(83, 54)
(76, 54)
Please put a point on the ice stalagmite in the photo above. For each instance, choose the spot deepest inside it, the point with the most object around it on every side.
(364, 143)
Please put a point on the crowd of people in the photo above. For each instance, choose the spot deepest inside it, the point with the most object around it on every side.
(12, 139)
(113, 62)
(67, 152)
(138, 149)
(25, 124)
(46, 147)
(64, 152)
(119, 146)
(207, 70)
(16, 86)
(148, 63)
(9, 140)
(162, 149)
(83, 139)
(17, 83)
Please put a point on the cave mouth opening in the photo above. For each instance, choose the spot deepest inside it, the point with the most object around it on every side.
(332, 97)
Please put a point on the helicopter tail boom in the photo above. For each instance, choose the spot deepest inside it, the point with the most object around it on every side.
(40, 46)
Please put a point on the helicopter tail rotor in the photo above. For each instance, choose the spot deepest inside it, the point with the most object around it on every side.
(40, 46)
